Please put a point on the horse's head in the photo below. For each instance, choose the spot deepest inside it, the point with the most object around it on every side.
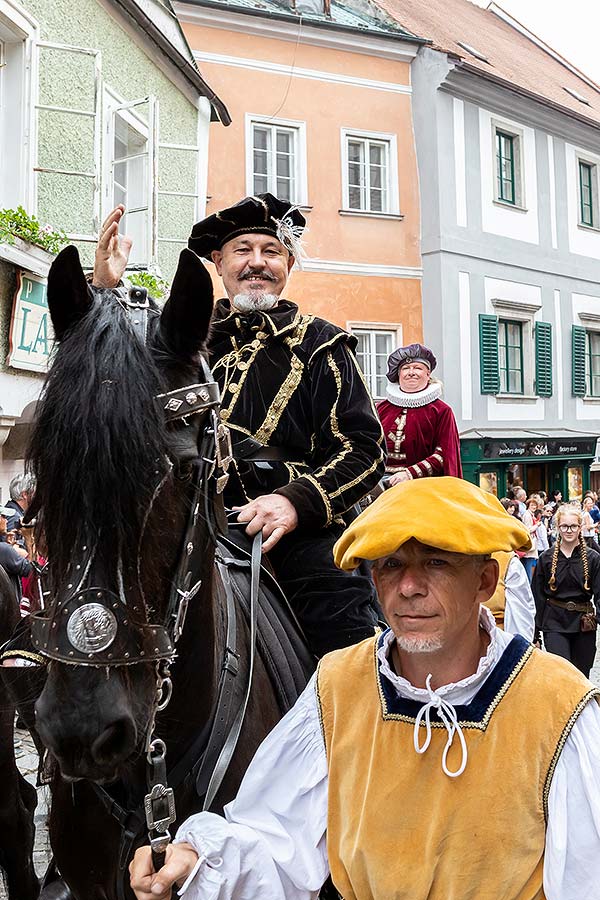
(127, 414)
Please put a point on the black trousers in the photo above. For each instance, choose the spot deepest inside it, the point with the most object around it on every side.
(579, 647)
(335, 608)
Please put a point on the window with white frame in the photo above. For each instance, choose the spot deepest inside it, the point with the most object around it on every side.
(592, 363)
(369, 169)
(276, 159)
(129, 154)
(17, 35)
(372, 351)
(587, 189)
(509, 188)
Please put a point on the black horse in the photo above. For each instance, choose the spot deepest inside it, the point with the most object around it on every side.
(128, 498)
(19, 798)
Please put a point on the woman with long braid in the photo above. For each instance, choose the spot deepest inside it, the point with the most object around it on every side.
(566, 579)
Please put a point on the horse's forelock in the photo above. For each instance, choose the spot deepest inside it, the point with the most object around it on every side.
(98, 448)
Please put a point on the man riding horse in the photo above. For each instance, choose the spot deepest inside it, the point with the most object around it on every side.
(307, 442)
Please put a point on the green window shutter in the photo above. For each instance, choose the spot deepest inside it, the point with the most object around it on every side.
(488, 354)
(578, 336)
(543, 359)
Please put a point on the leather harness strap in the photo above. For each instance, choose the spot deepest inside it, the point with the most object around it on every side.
(208, 759)
(230, 744)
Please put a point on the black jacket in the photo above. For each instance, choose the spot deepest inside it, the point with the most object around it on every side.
(569, 586)
(291, 381)
(16, 566)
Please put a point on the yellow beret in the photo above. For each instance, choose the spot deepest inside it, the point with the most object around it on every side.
(448, 513)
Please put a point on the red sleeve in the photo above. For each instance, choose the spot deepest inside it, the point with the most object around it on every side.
(447, 438)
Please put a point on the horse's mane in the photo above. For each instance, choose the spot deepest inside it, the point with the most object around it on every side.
(98, 448)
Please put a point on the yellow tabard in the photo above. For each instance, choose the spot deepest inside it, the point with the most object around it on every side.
(398, 827)
(497, 602)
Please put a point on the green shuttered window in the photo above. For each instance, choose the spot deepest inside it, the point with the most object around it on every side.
(510, 354)
(489, 366)
(578, 348)
(543, 359)
(592, 363)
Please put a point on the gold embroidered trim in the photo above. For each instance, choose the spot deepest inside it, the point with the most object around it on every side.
(334, 340)
(232, 360)
(428, 466)
(288, 387)
(355, 481)
(320, 705)
(480, 726)
(594, 692)
(323, 494)
(291, 326)
(333, 422)
(24, 654)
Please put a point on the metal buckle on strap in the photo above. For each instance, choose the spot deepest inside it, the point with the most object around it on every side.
(159, 806)
(231, 661)
(223, 454)
(186, 596)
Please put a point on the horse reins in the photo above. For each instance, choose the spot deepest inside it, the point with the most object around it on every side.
(91, 626)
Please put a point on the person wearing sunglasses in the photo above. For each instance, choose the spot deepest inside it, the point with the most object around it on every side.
(566, 582)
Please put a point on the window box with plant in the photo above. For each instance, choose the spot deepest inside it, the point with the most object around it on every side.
(17, 228)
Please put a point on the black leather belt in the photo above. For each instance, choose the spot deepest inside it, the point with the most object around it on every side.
(249, 450)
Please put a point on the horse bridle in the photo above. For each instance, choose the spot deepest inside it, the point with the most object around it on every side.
(91, 626)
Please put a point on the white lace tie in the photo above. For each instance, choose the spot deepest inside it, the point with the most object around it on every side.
(447, 714)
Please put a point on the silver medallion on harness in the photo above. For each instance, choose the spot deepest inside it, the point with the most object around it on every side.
(91, 628)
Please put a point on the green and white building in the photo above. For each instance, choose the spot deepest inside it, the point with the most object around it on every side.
(508, 149)
(101, 103)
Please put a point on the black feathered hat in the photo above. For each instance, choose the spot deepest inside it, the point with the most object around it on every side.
(263, 214)
(410, 353)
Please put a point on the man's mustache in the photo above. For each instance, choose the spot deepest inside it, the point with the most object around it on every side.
(249, 273)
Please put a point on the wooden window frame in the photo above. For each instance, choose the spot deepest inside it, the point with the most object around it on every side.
(590, 374)
(298, 130)
(373, 329)
(502, 136)
(391, 207)
(505, 369)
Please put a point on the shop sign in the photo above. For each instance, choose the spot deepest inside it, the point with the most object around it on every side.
(540, 448)
(31, 336)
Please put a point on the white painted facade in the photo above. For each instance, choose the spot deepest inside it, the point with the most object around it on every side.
(527, 262)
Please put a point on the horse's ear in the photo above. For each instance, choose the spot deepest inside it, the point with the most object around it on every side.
(187, 313)
(68, 296)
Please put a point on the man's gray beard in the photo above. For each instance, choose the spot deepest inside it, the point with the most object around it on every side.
(419, 644)
(255, 300)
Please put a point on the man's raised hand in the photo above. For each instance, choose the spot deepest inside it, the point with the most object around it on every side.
(112, 251)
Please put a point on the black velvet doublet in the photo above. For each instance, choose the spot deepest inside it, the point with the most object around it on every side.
(291, 381)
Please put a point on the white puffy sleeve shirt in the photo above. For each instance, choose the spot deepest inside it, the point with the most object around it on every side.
(519, 611)
(271, 845)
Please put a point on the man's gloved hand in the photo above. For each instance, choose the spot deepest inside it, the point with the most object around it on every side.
(112, 252)
(150, 885)
(272, 513)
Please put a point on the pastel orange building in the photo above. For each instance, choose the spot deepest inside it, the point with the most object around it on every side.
(321, 107)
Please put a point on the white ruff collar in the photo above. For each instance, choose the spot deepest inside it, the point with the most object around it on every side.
(399, 397)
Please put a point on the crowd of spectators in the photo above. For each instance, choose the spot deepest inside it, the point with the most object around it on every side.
(538, 514)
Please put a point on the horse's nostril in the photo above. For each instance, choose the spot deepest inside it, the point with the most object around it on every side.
(116, 742)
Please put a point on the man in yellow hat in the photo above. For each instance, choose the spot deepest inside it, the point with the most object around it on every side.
(442, 758)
